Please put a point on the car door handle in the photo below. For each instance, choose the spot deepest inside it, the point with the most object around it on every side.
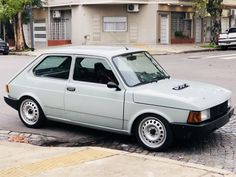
(71, 89)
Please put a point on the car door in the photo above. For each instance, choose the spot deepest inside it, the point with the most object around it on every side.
(48, 83)
(88, 100)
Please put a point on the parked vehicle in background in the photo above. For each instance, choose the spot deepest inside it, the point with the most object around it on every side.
(119, 90)
(4, 47)
(227, 39)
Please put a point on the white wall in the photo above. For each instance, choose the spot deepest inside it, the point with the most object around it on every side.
(88, 20)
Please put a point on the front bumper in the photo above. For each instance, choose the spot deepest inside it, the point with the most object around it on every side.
(4, 49)
(12, 102)
(227, 42)
(184, 131)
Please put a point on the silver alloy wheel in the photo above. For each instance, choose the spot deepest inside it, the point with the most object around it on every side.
(29, 112)
(152, 132)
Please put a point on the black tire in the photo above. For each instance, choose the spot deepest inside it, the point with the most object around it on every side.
(5, 53)
(153, 132)
(31, 113)
(224, 47)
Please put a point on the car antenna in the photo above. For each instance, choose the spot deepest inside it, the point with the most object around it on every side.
(126, 48)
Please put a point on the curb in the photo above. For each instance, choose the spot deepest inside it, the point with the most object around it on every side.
(169, 161)
(186, 52)
(150, 51)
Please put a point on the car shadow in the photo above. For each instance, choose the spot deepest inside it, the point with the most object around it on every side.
(130, 144)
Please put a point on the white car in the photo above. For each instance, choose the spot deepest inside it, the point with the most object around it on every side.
(119, 90)
(228, 38)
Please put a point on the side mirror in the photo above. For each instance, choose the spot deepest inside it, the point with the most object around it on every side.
(113, 85)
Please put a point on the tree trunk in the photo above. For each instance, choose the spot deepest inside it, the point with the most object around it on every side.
(216, 29)
(20, 41)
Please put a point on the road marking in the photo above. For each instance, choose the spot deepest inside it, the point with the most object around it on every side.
(71, 159)
(228, 58)
(217, 56)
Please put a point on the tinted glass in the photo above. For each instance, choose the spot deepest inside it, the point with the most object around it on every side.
(93, 70)
(232, 30)
(54, 66)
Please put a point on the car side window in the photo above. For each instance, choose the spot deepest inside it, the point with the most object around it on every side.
(232, 30)
(93, 70)
(54, 66)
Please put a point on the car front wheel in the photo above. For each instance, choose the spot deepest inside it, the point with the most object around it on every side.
(154, 133)
(31, 113)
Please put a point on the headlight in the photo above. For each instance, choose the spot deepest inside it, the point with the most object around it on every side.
(205, 114)
(229, 103)
(198, 116)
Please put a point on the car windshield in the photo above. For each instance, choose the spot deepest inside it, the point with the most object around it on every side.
(139, 68)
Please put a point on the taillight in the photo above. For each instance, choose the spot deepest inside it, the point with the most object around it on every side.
(7, 88)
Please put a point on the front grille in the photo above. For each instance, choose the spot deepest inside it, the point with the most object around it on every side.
(219, 110)
(2, 44)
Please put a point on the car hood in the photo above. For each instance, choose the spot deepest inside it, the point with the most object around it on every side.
(181, 94)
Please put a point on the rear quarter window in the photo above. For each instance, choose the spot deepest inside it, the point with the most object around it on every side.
(54, 67)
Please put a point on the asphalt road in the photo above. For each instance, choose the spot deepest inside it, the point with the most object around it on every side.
(218, 149)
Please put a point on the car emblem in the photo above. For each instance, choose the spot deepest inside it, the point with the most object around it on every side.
(181, 87)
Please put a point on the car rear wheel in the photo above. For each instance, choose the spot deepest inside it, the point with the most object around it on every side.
(154, 133)
(31, 113)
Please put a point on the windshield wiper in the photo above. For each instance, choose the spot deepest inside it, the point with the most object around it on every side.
(156, 79)
(141, 83)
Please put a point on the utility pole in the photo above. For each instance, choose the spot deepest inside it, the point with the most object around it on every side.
(31, 27)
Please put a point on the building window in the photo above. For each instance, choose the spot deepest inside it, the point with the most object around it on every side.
(181, 25)
(60, 26)
(40, 30)
(115, 24)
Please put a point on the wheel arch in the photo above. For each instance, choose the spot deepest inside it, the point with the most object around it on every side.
(35, 98)
(136, 119)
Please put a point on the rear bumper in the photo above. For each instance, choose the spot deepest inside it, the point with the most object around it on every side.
(12, 102)
(183, 131)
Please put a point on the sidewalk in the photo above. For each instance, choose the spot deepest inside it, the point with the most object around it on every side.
(18, 160)
(153, 49)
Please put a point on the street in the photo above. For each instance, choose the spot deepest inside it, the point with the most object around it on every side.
(216, 150)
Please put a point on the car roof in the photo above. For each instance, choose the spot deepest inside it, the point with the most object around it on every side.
(102, 51)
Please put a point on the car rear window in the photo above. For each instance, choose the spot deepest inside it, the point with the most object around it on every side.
(54, 66)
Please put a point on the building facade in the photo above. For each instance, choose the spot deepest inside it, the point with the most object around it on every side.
(83, 22)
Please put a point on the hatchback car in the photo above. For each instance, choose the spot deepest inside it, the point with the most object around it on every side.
(119, 90)
(4, 47)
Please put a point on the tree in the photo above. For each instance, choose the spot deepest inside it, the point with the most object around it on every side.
(214, 8)
(13, 11)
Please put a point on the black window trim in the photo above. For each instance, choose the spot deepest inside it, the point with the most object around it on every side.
(52, 55)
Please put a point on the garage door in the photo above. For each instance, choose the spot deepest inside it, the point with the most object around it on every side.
(164, 33)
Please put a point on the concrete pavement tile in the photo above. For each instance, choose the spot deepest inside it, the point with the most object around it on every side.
(61, 161)
(124, 166)
(4, 132)
(16, 154)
